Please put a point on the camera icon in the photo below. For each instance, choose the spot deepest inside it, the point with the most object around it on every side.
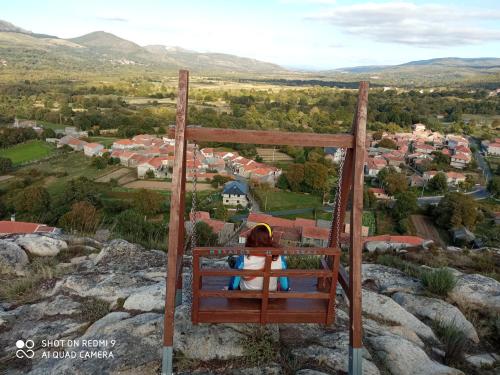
(28, 345)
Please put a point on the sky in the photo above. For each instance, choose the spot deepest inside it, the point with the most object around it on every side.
(308, 34)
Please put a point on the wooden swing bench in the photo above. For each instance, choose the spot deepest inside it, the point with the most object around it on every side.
(312, 295)
(310, 299)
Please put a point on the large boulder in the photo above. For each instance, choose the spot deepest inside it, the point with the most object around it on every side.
(401, 357)
(206, 342)
(477, 292)
(120, 255)
(335, 359)
(389, 280)
(41, 321)
(373, 328)
(12, 257)
(380, 307)
(147, 298)
(436, 310)
(108, 287)
(42, 246)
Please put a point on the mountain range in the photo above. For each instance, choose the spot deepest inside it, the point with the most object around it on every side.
(31, 55)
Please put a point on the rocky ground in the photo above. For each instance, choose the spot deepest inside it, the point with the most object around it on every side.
(68, 288)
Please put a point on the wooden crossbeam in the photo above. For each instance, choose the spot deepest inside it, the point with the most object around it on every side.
(264, 137)
(292, 250)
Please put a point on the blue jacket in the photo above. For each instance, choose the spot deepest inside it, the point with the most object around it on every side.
(234, 283)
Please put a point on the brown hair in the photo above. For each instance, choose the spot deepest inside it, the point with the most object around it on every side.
(259, 237)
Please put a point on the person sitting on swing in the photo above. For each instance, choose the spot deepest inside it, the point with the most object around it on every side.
(260, 236)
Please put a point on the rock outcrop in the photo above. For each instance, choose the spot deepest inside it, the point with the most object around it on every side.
(436, 310)
(117, 296)
(477, 292)
(377, 306)
(402, 357)
(42, 246)
(12, 257)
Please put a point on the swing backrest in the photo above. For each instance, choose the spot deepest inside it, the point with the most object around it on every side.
(212, 304)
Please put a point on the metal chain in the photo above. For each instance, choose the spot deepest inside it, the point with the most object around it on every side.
(336, 208)
(188, 296)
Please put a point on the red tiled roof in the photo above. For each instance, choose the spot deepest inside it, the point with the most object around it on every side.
(455, 175)
(411, 240)
(270, 220)
(93, 145)
(124, 142)
(316, 233)
(377, 190)
(7, 227)
(300, 222)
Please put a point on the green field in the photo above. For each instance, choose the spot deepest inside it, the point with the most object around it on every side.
(29, 151)
(70, 166)
(51, 125)
(276, 200)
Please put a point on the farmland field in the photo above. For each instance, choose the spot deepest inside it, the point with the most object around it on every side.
(28, 151)
(117, 175)
(163, 185)
(70, 165)
(276, 200)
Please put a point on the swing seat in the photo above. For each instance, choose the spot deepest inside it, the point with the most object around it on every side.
(310, 300)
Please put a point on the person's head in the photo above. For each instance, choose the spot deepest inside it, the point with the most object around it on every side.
(261, 235)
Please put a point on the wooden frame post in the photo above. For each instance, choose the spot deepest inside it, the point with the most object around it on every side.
(355, 253)
(176, 225)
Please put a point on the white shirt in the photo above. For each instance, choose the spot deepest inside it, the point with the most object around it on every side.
(257, 263)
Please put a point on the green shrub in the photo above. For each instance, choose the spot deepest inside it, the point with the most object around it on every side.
(93, 309)
(303, 262)
(454, 341)
(440, 281)
(409, 268)
(260, 348)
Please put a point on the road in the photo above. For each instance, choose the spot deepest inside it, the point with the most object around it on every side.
(481, 162)
(480, 193)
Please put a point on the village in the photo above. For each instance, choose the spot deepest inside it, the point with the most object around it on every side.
(419, 154)
(152, 157)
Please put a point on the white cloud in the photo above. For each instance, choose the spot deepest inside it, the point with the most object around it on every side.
(428, 25)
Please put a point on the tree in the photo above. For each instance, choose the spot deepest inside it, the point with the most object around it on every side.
(392, 181)
(48, 133)
(316, 177)
(295, 176)
(99, 162)
(439, 183)
(219, 180)
(456, 210)
(5, 165)
(494, 186)
(83, 217)
(81, 189)
(406, 204)
(205, 236)
(387, 143)
(150, 174)
(282, 182)
(440, 158)
(34, 200)
(147, 202)
(369, 199)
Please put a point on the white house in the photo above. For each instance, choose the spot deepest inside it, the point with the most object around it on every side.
(494, 148)
(235, 193)
(91, 149)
